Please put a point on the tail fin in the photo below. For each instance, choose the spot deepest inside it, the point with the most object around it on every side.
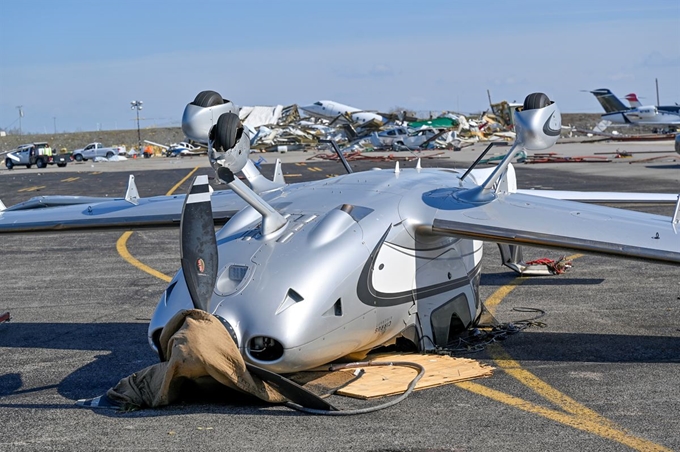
(633, 100)
(609, 101)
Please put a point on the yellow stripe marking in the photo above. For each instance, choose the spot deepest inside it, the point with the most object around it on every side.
(121, 244)
(576, 422)
(70, 179)
(34, 188)
(314, 168)
(293, 175)
(94, 173)
(300, 164)
(577, 416)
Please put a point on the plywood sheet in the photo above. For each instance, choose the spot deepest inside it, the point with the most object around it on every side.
(392, 380)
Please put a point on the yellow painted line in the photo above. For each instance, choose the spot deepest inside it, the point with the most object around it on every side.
(34, 188)
(503, 360)
(293, 175)
(492, 302)
(576, 422)
(70, 179)
(94, 173)
(121, 244)
(314, 168)
(300, 164)
(577, 416)
(176, 186)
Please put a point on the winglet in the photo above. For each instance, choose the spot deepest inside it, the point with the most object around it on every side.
(278, 174)
(132, 195)
(676, 215)
(418, 167)
(396, 168)
(2, 206)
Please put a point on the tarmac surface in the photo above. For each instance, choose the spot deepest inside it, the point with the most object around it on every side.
(602, 373)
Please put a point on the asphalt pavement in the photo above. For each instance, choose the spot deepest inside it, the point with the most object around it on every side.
(600, 372)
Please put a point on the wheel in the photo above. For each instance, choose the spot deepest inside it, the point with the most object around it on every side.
(29, 166)
(225, 131)
(78, 157)
(535, 101)
(109, 155)
(208, 99)
(61, 165)
(40, 163)
(9, 164)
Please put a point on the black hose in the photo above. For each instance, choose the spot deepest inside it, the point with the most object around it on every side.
(409, 389)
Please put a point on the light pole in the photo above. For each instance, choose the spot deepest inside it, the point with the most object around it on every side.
(137, 104)
(21, 115)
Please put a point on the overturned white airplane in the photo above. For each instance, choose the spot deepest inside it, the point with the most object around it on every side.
(303, 274)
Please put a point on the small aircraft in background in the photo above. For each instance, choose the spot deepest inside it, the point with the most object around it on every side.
(638, 114)
(181, 149)
(304, 274)
(328, 109)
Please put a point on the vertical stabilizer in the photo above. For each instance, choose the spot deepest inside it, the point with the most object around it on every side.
(609, 101)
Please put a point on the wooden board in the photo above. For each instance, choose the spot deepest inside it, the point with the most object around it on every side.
(392, 380)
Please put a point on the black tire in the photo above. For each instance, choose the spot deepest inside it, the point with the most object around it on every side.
(61, 165)
(534, 101)
(29, 166)
(226, 131)
(9, 164)
(109, 155)
(208, 99)
(78, 157)
(40, 163)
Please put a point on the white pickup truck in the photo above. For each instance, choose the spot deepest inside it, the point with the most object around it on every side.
(93, 150)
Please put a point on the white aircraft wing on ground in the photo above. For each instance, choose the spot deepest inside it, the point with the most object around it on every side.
(520, 219)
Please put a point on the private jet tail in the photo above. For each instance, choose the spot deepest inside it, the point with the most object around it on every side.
(633, 100)
(609, 101)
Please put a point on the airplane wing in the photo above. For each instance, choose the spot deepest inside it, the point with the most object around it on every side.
(521, 219)
(47, 213)
(603, 197)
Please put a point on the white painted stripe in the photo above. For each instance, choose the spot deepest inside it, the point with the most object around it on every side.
(201, 180)
(198, 197)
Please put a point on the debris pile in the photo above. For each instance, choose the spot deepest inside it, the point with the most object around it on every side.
(283, 129)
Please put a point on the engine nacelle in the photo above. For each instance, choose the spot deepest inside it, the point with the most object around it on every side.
(644, 113)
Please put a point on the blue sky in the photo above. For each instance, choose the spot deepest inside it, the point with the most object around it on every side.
(82, 62)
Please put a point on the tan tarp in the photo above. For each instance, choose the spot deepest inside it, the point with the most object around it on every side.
(196, 345)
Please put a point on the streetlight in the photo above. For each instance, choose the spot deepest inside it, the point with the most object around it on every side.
(21, 115)
(137, 104)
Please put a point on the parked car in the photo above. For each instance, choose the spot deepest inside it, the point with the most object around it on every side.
(677, 142)
(93, 150)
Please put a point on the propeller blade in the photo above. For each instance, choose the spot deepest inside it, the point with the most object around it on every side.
(198, 246)
(291, 390)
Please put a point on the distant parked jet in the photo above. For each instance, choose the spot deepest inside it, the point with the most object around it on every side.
(618, 113)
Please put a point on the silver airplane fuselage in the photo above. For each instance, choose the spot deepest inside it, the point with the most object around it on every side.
(354, 267)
